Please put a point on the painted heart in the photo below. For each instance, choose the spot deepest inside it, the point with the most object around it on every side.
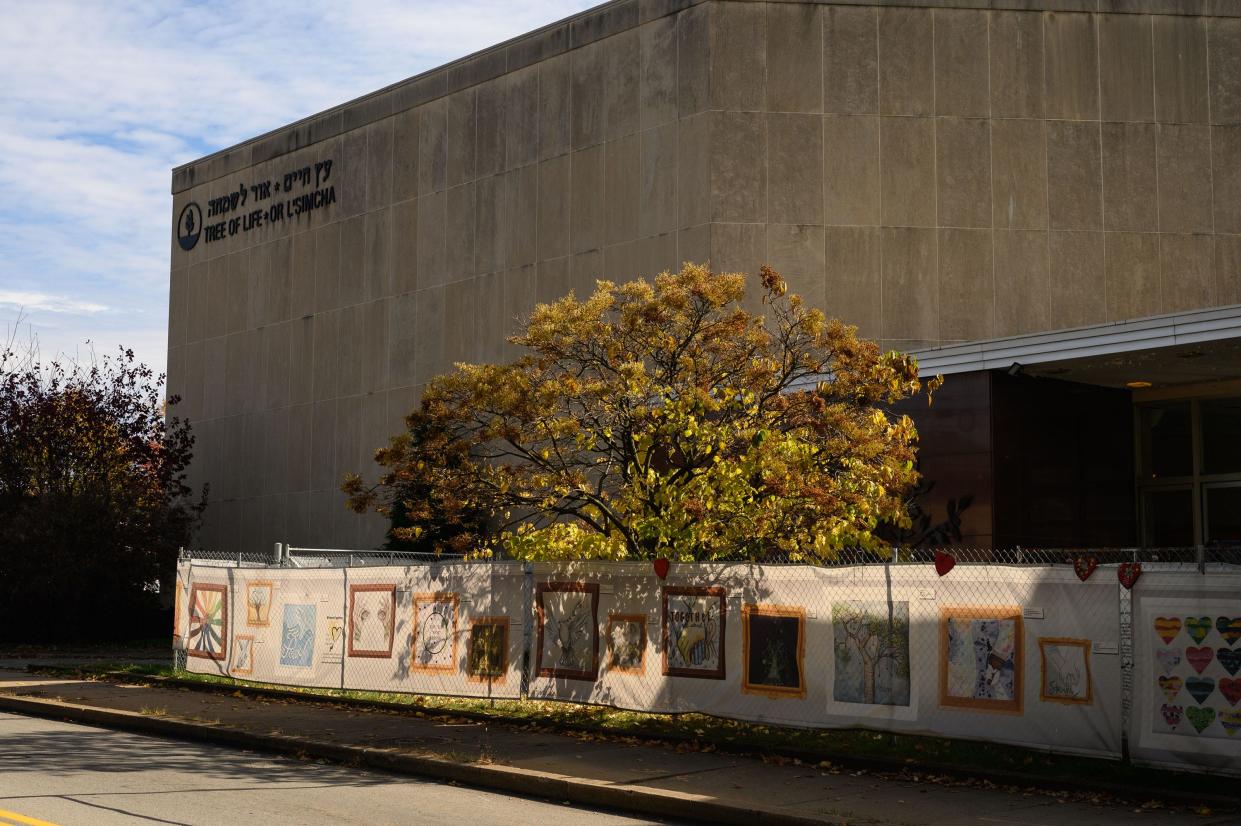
(1231, 689)
(944, 562)
(1171, 715)
(661, 567)
(1229, 658)
(1200, 687)
(1231, 721)
(1229, 628)
(1167, 628)
(1200, 718)
(1198, 627)
(1084, 567)
(1199, 658)
(1170, 686)
(1128, 573)
(1168, 659)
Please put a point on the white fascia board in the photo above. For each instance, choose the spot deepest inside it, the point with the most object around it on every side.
(1083, 342)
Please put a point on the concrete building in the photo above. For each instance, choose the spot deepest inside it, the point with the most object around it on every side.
(1041, 197)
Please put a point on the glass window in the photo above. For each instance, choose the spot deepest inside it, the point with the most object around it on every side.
(1221, 435)
(1167, 436)
(1223, 512)
(1169, 517)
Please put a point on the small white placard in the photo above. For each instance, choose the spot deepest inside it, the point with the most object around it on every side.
(926, 593)
(1104, 647)
(1032, 613)
(811, 614)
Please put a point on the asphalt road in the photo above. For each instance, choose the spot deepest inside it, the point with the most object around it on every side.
(67, 775)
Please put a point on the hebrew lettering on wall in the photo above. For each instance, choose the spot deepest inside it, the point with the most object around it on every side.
(208, 628)
(773, 650)
(435, 632)
(568, 629)
(980, 658)
(1065, 671)
(372, 612)
(870, 644)
(693, 626)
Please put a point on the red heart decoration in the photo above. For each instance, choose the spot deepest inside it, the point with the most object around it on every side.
(1084, 567)
(1199, 658)
(944, 562)
(1128, 573)
(661, 567)
(1231, 689)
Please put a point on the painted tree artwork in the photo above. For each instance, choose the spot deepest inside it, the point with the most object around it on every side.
(258, 604)
(773, 650)
(871, 652)
(208, 621)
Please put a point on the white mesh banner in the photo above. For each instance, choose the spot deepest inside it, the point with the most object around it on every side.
(1028, 655)
(1018, 655)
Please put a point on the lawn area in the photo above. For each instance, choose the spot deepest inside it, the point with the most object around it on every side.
(839, 748)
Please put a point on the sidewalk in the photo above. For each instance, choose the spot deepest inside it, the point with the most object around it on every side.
(649, 780)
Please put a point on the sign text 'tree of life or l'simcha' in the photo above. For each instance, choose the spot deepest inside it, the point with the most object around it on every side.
(272, 201)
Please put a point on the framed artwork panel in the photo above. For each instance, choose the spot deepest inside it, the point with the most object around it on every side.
(243, 654)
(568, 614)
(1065, 671)
(435, 632)
(627, 643)
(208, 628)
(980, 658)
(372, 614)
(694, 622)
(258, 604)
(486, 659)
(297, 635)
(773, 650)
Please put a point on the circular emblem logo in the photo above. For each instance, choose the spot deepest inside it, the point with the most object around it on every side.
(189, 226)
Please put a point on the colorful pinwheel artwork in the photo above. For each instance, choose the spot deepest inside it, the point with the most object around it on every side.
(208, 621)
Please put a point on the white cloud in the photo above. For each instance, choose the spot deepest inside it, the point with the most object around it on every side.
(43, 302)
(98, 101)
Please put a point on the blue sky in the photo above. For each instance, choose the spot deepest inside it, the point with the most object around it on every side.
(99, 100)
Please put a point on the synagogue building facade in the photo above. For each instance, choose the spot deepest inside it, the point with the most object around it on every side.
(1041, 198)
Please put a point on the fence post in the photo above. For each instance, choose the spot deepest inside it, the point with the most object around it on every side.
(1125, 617)
(1201, 556)
(277, 553)
(527, 626)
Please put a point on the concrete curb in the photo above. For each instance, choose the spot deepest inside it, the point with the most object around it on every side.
(852, 761)
(596, 793)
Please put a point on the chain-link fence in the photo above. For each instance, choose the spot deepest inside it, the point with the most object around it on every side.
(1100, 652)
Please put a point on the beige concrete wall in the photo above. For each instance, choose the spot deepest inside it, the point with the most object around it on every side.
(931, 174)
(984, 173)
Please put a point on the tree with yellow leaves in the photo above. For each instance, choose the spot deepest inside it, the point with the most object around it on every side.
(662, 420)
